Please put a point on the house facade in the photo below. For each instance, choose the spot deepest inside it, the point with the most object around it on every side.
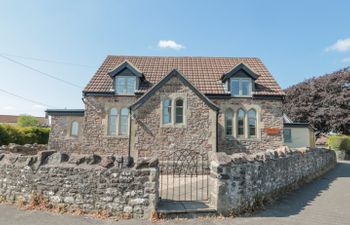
(143, 106)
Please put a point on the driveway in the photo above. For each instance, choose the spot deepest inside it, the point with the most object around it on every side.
(324, 201)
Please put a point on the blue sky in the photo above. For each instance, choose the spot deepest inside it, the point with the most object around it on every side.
(296, 40)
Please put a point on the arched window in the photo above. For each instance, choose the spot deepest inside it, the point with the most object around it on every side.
(228, 122)
(123, 123)
(166, 111)
(252, 122)
(240, 122)
(112, 121)
(74, 130)
(179, 111)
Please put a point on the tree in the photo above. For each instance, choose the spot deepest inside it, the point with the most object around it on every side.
(324, 102)
(27, 121)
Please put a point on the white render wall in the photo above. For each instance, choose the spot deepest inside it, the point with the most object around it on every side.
(301, 137)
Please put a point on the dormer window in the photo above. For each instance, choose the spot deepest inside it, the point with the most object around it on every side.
(126, 78)
(241, 87)
(125, 85)
(240, 81)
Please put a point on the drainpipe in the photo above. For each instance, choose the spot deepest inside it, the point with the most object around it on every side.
(217, 131)
(129, 163)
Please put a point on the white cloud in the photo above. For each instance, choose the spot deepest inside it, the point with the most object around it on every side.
(341, 45)
(170, 44)
(39, 107)
(346, 60)
(9, 108)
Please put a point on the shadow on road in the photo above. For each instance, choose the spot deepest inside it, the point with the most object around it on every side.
(295, 202)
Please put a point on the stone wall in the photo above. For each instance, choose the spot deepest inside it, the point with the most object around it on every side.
(60, 138)
(93, 136)
(269, 115)
(86, 182)
(243, 182)
(26, 149)
(150, 137)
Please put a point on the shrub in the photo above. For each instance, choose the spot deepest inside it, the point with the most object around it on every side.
(4, 136)
(339, 143)
(23, 135)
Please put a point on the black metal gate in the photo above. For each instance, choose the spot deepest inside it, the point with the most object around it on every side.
(184, 176)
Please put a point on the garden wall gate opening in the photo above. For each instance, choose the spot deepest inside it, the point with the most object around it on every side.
(184, 176)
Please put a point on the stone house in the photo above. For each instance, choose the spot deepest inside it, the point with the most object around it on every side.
(141, 106)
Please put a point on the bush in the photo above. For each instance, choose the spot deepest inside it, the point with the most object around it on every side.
(339, 143)
(23, 135)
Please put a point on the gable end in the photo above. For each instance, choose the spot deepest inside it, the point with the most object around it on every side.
(156, 87)
(237, 69)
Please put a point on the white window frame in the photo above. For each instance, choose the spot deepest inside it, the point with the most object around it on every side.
(256, 123)
(174, 98)
(120, 122)
(241, 87)
(109, 122)
(77, 128)
(125, 84)
(183, 110)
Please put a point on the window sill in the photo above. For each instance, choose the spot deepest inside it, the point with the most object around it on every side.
(116, 136)
(126, 95)
(241, 96)
(173, 126)
(228, 137)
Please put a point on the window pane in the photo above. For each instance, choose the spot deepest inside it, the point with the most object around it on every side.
(179, 111)
(120, 85)
(131, 83)
(166, 111)
(228, 122)
(123, 126)
(234, 87)
(252, 122)
(240, 122)
(245, 87)
(74, 128)
(287, 135)
(112, 121)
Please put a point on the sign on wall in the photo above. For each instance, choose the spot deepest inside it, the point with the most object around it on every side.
(273, 131)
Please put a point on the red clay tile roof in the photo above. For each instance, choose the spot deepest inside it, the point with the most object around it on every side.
(10, 119)
(203, 72)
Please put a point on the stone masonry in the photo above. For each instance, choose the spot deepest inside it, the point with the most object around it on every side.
(244, 182)
(269, 115)
(149, 137)
(89, 183)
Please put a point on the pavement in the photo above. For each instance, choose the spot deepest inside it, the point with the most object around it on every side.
(325, 201)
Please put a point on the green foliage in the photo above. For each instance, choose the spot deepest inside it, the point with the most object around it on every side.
(27, 121)
(4, 136)
(23, 135)
(339, 143)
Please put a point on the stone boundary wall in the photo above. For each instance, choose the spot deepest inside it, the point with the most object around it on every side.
(243, 182)
(89, 183)
(27, 149)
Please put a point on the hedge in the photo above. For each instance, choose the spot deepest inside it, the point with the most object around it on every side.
(339, 143)
(23, 135)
